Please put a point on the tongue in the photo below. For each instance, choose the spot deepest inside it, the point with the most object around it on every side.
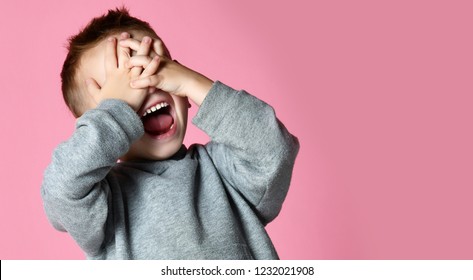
(157, 123)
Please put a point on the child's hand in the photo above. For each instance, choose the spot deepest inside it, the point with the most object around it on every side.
(119, 75)
(171, 76)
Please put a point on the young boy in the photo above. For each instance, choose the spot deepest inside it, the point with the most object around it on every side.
(125, 187)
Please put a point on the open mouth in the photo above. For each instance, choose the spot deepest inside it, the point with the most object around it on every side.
(158, 120)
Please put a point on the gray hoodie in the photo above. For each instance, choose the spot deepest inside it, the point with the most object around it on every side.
(206, 202)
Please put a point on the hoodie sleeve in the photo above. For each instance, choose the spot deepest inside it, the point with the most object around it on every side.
(250, 147)
(75, 193)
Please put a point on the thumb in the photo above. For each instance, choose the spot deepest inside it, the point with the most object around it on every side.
(92, 87)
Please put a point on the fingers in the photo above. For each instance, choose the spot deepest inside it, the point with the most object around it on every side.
(110, 55)
(147, 78)
(151, 81)
(143, 50)
(143, 61)
(123, 52)
(151, 68)
(130, 43)
(139, 61)
(144, 46)
(133, 44)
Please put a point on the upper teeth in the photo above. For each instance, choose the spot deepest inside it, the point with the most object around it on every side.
(155, 108)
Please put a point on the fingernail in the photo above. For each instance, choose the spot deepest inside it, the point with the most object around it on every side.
(147, 40)
(111, 39)
(124, 35)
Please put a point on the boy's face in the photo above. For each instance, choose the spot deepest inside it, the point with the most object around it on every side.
(152, 145)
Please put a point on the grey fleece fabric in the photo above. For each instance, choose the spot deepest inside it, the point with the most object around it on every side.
(206, 202)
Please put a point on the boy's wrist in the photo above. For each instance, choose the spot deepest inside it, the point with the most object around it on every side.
(217, 105)
(198, 88)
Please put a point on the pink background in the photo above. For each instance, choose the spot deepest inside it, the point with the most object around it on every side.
(380, 95)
